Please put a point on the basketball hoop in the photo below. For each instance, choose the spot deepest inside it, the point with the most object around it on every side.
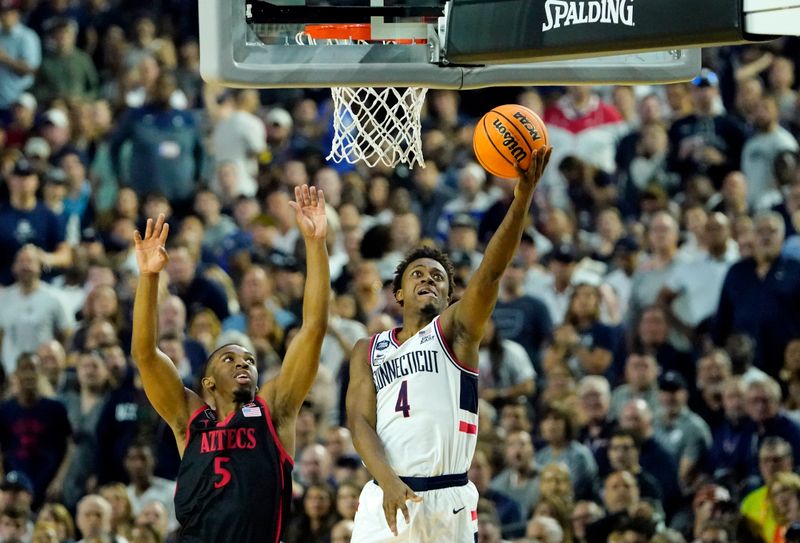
(371, 125)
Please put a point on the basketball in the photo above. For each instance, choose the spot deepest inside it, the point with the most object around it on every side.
(507, 136)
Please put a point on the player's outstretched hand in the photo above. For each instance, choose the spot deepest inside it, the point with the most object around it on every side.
(395, 495)
(528, 180)
(151, 253)
(309, 209)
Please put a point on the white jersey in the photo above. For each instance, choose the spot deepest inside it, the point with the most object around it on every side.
(427, 403)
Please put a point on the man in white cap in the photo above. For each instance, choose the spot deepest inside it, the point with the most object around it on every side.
(55, 130)
(22, 116)
(279, 133)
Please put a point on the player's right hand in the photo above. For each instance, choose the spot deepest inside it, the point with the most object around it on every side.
(528, 180)
(151, 253)
(395, 495)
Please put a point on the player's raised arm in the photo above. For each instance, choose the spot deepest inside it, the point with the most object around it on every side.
(362, 419)
(160, 378)
(464, 322)
(286, 393)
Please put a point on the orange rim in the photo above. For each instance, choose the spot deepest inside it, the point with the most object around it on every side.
(355, 32)
(360, 32)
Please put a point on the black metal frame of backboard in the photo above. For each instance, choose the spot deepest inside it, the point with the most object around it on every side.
(260, 12)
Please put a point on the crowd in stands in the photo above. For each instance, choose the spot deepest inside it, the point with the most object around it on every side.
(640, 380)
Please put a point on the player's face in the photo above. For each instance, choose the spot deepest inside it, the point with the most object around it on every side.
(425, 286)
(235, 373)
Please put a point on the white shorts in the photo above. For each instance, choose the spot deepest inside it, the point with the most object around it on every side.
(447, 515)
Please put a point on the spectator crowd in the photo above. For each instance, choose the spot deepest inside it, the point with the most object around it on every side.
(640, 379)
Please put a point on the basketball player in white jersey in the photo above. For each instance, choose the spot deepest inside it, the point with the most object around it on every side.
(412, 403)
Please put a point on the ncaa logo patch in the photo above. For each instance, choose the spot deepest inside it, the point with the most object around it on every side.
(382, 344)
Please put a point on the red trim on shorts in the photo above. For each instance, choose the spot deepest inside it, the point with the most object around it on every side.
(284, 455)
(449, 351)
(474, 515)
(464, 426)
(189, 424)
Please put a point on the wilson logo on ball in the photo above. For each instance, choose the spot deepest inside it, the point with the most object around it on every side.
(510, 142)
(528, 125)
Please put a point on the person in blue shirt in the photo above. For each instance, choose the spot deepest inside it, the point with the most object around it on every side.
(731, 449)
(762, 405)
(25, 219)
(520, 317)
(35, 432)
(166, 151)
(20, 54)
(761, 297)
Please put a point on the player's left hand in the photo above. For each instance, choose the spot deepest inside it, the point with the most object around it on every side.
(309, 208)
(528, 180)
(395, 495)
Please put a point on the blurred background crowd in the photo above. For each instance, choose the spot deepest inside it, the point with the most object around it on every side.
(640, 380)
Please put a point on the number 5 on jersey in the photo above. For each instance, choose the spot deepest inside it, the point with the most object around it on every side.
(223, 472)
(402, 401)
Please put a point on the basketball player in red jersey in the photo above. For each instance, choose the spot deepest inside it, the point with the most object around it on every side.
(234, 483)
(412, 402)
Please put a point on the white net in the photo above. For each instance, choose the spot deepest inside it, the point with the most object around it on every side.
(374, 125)
(377, 125)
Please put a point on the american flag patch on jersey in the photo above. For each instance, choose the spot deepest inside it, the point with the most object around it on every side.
(251, 411)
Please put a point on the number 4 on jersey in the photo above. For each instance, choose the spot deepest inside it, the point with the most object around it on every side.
(402, 400)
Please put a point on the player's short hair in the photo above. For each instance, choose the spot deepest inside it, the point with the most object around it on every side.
(213, 355)
(424, 252)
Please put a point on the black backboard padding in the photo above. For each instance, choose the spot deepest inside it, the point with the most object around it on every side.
(496, 31)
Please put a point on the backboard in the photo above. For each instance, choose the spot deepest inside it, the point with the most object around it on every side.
(254, 43)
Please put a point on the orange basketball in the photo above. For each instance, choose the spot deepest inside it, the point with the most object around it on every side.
(507, 136)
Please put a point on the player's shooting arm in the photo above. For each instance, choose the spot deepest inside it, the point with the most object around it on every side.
(160, 377)
(286, 393)
(469, 316)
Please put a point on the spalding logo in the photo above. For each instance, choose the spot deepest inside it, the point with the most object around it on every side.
(562, 13)
(510, 142)
(524, 121)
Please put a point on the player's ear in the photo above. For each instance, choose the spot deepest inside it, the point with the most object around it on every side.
(399, 296)
(208, 383)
